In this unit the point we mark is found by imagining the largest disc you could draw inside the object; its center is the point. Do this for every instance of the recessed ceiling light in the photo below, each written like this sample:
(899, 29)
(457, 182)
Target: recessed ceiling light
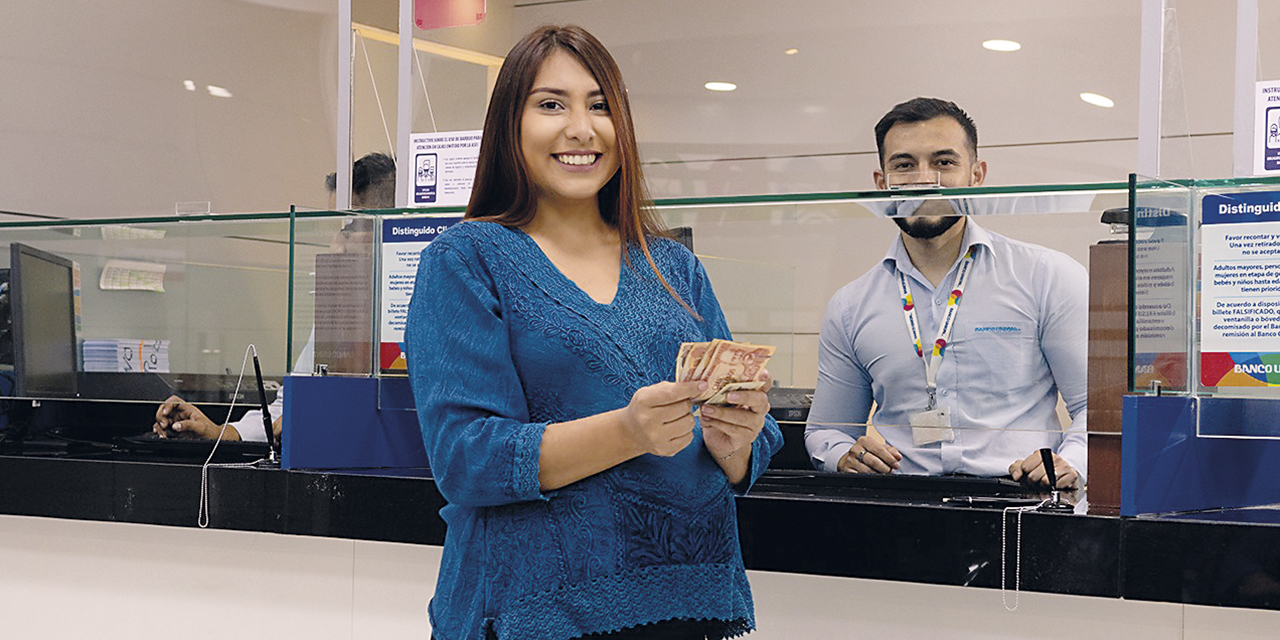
(218, 92)
(720, 86)
(1097, 100)
(791, 52)
(1001, 45)
(191, 86)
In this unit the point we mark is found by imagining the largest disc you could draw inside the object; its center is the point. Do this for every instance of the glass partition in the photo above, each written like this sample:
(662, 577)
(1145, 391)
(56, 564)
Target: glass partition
(1161, 318)
(1205, 311)
(775, 262)
(325, 292)
(159, 306)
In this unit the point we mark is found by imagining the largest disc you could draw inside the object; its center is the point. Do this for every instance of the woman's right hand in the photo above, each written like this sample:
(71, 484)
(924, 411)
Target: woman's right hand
(659, 418)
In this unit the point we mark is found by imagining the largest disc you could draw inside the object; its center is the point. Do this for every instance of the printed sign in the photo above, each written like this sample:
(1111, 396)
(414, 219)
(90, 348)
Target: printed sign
(1240, 290)
(1161, 315)
(444, 166)
(1266, 140)
(403, 240)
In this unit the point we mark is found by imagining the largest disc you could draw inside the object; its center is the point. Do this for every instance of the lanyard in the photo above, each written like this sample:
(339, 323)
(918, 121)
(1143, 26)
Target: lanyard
(944, 328)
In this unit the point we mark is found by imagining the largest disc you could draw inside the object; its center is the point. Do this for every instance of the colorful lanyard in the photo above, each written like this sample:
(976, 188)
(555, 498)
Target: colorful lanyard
(944, 329)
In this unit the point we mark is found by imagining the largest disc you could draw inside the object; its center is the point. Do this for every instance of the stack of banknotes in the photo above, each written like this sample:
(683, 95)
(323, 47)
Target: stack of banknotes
(725, 365)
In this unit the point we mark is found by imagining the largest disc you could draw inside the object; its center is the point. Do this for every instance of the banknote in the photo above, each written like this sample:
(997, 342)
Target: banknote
(726, 365)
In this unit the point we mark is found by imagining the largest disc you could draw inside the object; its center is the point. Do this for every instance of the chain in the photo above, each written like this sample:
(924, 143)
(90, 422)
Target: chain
(1017, 553)
(202, 518)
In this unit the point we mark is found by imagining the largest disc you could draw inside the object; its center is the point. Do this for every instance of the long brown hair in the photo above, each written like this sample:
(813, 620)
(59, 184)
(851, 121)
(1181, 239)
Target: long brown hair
(504, 193)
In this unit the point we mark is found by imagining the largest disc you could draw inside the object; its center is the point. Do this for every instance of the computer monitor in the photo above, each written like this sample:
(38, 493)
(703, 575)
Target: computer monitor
(43, 307)
(6, 321)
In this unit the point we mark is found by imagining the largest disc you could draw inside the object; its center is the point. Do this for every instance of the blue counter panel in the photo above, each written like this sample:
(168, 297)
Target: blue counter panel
(335, 422)
(1167, 467)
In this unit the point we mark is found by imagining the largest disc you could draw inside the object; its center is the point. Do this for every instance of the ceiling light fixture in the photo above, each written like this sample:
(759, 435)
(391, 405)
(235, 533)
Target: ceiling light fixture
(218, 92)
(190, 86)
(720, 86)
(1001, 45)
(1097, 100)
(792, 51)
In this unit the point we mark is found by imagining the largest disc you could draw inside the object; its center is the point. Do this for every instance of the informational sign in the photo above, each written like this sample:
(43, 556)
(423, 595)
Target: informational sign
(444, 166)
(1240, 290)
(434, 14)
(403, 240)
(1266, 139)
(1161, 315)
(343, 296)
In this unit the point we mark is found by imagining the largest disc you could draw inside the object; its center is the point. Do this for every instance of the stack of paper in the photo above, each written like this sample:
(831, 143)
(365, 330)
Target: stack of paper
(126, 355)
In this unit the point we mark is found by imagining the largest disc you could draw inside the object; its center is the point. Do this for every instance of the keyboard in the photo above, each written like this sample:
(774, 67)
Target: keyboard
(150, 442)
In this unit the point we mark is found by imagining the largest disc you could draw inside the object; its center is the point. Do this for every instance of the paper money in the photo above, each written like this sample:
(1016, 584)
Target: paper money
(725, 365)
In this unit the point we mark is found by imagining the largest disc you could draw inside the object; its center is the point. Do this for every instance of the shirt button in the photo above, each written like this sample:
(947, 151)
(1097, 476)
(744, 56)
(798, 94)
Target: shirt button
(945, 392)
(937, 303)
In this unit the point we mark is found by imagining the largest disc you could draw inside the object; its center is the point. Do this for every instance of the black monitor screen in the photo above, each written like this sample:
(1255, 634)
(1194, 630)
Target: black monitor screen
(44, 323)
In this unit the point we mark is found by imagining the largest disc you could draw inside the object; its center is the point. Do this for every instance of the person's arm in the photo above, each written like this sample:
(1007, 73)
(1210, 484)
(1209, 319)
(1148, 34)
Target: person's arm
(841, 398)
(482, 447)
(658, 420)
(1064, 340)
(178, 418)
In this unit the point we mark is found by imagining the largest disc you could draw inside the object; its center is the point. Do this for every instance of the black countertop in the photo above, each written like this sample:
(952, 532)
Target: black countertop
(1229, 558)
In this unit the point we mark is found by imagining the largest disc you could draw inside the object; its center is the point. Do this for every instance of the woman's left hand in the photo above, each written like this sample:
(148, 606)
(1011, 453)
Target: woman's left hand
(729, 429)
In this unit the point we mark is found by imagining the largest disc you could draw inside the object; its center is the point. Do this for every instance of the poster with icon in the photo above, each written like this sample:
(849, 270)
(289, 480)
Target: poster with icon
(1266, 144)
(444, 166)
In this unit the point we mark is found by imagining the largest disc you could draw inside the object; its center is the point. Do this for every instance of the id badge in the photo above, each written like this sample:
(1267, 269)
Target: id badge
(933, 425)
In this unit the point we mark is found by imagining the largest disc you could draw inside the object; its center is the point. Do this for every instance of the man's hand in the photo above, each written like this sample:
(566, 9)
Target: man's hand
(1030, 470)
(870, 455)
(177, 418)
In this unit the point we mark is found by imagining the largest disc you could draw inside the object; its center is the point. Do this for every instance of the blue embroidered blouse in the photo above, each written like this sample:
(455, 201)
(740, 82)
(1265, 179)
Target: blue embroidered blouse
(500, 344)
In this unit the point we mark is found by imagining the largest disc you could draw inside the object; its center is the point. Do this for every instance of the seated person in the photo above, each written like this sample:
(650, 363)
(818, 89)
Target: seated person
(1010, 320)
(372, 187)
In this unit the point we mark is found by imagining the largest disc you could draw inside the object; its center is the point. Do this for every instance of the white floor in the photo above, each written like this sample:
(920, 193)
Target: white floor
(72, 579)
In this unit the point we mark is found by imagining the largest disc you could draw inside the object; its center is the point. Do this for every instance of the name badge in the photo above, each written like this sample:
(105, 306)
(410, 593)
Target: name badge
(933, 425)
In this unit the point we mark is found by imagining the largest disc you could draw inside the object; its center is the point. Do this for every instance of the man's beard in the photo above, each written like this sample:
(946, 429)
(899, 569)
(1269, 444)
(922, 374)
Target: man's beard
(926, 227)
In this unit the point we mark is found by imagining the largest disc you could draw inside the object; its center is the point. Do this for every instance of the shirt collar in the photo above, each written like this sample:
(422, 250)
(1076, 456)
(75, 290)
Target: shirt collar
(974, 236)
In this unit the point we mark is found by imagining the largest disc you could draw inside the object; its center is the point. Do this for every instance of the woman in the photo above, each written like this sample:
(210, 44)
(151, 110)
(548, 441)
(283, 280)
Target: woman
(584, 497)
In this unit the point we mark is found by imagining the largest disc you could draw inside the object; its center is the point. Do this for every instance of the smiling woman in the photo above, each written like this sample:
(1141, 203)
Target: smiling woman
(585, 498)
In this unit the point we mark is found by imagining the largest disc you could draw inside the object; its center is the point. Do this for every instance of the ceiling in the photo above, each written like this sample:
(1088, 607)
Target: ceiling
(857, 58)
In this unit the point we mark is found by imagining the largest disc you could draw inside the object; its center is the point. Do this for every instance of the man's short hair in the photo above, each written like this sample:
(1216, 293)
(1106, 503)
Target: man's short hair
(373, 182)
(920, 110)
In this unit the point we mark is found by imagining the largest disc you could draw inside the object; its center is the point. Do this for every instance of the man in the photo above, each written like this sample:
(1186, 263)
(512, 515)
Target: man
(373, 186)
(982, 402)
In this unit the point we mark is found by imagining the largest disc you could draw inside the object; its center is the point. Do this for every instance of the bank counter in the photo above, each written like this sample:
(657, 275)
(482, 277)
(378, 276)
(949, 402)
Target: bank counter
(341, 536)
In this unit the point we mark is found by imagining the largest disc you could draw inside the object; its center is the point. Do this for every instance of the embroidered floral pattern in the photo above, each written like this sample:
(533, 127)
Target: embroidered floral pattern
(656, 532)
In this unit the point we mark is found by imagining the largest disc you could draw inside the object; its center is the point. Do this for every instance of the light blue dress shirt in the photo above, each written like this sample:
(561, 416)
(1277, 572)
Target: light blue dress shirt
(1020, 338)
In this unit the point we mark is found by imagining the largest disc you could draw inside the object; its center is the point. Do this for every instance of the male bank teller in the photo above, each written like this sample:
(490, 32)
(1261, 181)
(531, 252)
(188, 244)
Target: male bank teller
(975, 394)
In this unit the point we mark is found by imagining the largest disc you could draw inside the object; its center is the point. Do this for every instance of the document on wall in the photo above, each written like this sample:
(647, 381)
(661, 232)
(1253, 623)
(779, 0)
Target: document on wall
(444, 166)
(403, 240)
(1240, 290)
(128, 275)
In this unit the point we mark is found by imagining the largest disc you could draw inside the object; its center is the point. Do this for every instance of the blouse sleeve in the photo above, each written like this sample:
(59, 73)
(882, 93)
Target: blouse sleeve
(769, 441)
(482, 448)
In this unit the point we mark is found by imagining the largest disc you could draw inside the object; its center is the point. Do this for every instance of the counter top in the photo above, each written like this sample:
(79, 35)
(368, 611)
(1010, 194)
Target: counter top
(1224, 558)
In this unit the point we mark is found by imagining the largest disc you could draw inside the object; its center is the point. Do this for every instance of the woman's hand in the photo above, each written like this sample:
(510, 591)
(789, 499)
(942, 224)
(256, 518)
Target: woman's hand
(659, 418)
(729, 430)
